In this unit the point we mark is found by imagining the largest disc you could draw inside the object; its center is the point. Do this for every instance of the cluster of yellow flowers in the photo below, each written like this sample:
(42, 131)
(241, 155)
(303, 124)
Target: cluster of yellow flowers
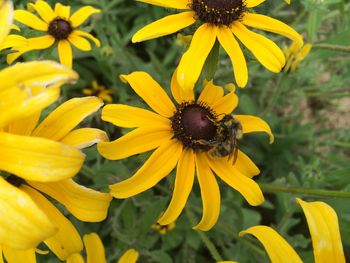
(197, 135)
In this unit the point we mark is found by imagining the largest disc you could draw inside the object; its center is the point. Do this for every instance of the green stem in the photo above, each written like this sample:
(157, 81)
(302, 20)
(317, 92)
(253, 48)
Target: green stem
(211, 247)
(304, 191)
(333, 47)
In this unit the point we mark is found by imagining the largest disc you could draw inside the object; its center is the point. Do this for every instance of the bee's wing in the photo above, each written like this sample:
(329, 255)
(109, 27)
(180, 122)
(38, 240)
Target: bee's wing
(234, 147)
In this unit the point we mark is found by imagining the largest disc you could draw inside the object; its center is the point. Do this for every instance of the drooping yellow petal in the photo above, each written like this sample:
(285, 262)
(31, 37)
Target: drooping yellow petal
(6, 16)
(66, 117)
(164, 26)
(324, 229)
(75, 258)
(211, 93)
(234, 178)
(151, 92)
(79, 42)
(130, 256)
(275, 245)
(131, 117)
(87, 35)
(62, 11)
(95, 251)
(66, 240)
(193, 60)
(65, 53)
(23, 224)
(254, 124)
(159, 165)
(84, 203)
(232, 48)
(178, 4)
(210, 194)
(246, 166)
(137, 141)
(84, 137)
(82, 14)
(253, 3)
(179, 94)
(265, 50)
(44, 10)
(31, 20)
(38, 43)
(272, 25)
(19, 256)
(226, 104)
(38, 159)
(183, 186)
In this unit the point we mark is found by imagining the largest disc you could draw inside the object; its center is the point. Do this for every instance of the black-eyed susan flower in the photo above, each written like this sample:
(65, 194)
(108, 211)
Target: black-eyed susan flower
(100, 91)
(163, 229)
(59, 25)
(324, 229)
(295, 55)
(95, 252)
(222, 20)
(181, 133)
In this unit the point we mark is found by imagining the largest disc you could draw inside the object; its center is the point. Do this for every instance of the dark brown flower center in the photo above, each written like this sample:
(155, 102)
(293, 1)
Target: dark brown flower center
(192, 123)
(218, 12)
(60, 28)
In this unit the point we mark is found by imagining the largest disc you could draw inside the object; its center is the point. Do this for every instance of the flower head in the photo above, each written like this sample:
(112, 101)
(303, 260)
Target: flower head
(59, 26)
(100, 91)
(324, 229)
(295, 55)
(222, 20)
(183, 134)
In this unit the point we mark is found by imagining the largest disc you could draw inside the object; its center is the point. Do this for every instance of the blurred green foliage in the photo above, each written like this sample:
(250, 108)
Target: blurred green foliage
(308, 110)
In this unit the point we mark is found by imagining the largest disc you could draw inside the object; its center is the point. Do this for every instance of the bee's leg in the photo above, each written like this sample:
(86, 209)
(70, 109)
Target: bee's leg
(205, 142)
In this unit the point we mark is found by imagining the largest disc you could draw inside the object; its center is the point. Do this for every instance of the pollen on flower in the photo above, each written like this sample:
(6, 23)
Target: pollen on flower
(218, 12)
(60, 28)
(193, 122)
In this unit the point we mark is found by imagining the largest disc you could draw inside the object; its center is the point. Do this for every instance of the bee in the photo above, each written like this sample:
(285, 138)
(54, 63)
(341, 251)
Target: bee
(225, 143)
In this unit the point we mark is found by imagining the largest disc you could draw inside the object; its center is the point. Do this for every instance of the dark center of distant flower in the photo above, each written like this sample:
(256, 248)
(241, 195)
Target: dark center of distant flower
(15, 180)
(192, 123)
(218, 12)
(60, 28)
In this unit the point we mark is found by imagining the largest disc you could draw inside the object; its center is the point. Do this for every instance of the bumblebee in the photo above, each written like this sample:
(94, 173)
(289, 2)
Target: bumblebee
(225, 143)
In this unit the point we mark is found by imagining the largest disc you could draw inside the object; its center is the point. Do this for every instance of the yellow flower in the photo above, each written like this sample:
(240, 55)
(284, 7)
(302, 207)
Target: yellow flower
(324, 229)
(222, 20)
(59, 25)
(6, 15)
(99, 91)
(295, 55)
(163, 229)
(95, 252)
(182, 134)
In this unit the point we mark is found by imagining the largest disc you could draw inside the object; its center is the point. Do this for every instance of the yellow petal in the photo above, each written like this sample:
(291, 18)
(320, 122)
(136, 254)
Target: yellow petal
(226, 104)
(30, 20)
(151, 92)
(178, 4)
(179, 94)
(14, 41)
(211, 93)
(44, 10)
(6, 16)
(234, 178)
(87, 35)
(23, 223)
(62, 11)
(84, 137)
(246, 166)
(275, 245)
(75, 258)
(164, 26)
(79, 42)
(324, 229)
(254, 124)
(265, 50)
(137, 141)
(232, 48)
(227, 261)
(38, 159)
(82, 14)
(67, 240)
(159, 165)
(95, 250)
(192, 61)
(1, 257)
(183, 186)
(65, 53)
(272, 25)
(131, 117)
(130, 256)
(253, 3)
(84, 203)
(66, 117)
(210, 194)
(38, 43)
(19, 256)
(24, 126)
